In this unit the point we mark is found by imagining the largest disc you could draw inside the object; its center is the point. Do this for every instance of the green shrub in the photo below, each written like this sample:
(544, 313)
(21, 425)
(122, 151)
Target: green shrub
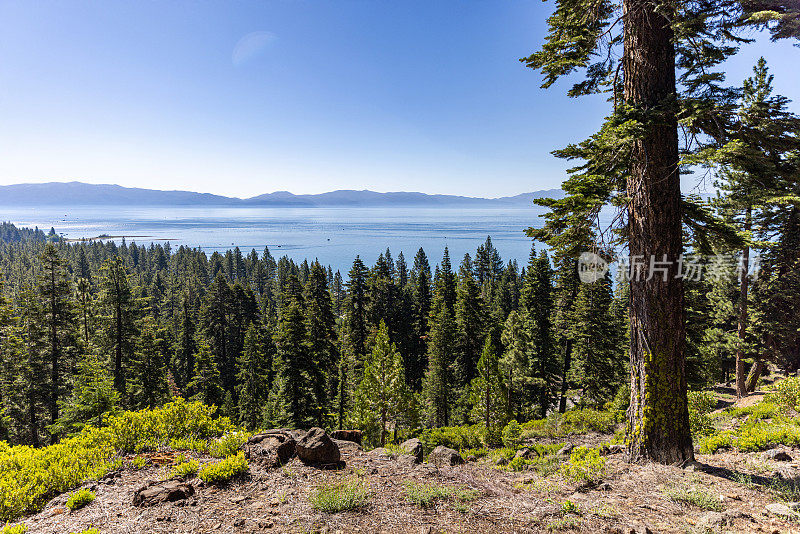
(339, 496)
(569, 507)
(139, 462)
(762, 410)
(79, 499)
(427, 494)
(19, 528)
(185, 469)
(763, 435)
(713, 443)
(189, 444)
(511, 433)
(785, 394)
(223, 471)
(28, 476)
(701, 403)
(579, 421)
(228, 445)
(697, 496)
(454, 437)
(584, 465)
(518, 463)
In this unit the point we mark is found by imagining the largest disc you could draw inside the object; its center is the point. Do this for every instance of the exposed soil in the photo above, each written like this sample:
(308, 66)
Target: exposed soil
(630, 497)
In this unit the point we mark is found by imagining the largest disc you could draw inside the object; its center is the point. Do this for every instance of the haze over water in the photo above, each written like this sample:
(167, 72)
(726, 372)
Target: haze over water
(334, 235)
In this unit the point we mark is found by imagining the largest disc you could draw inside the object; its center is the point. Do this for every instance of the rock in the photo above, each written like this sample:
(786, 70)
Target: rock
(407, 460)
(413, 447)
(380, 452)
(711, 520)
(347, 435)
(640, 529)
(779, 509)
(615, 449)
(272, 448)
(160, 492)
(318, 448)
(525, 453)
(501, 461)
(778, 455)
(566, 450)
(347, 446)
(442, 456)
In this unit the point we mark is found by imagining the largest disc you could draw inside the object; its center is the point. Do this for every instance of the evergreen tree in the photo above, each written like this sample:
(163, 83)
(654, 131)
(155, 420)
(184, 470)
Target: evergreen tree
(321, 343)
(438, 383)
(205, 385)
(147, 387)
(383, 393)
(488, 394)
(59, 316)
(292, 396)
(93, 397)
(254, 377)
(119, 316)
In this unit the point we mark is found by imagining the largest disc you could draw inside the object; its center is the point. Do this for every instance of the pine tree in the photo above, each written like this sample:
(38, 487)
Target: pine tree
(488, 394)
(292, 396)
(649, 60)
(420, 312)
(120, 311)
(321, 343)
(470, 327)
(754, 165)
(515, 366)
(93, 397)
(382, 393)
(597, 365)
(437, 386)
(254, 377)
(59, 316)
(205, 385)
(147, 387)
(536, 303)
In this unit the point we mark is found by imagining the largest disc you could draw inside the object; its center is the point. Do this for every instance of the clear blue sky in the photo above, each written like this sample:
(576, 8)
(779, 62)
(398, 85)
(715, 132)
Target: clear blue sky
(246, 97)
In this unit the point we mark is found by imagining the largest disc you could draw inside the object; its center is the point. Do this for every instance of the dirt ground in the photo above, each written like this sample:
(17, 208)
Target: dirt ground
(630, 498)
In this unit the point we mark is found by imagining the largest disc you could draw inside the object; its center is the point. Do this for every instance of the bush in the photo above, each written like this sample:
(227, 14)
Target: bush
(511, 433)
(228, 445)
(713, 443)
(694, 495)
(185, 469)
(79, 499)
(701, 403)
(28, 476)
(426, 495)
(584, 465)
(454, 437)
(19, 528)
(340, 496)
(223, 471)
(785, 394)
(579, 421)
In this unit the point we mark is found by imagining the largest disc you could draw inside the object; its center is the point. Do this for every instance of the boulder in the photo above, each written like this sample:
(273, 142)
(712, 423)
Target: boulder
(380, 452)
(407, 460)
(347, 435)
(525, 453)
(442, 456)
(413, 447)
(778, 455)
(160, 492)
(318, 448)
(566, 450)
(347, 446)
(781, 510)
(272, 448)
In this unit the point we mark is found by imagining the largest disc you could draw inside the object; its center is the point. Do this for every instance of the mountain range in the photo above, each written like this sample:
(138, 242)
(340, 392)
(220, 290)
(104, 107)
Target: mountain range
(82, 194)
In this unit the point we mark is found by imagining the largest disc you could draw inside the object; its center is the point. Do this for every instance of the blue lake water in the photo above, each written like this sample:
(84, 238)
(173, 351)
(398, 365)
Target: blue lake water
(334, 235)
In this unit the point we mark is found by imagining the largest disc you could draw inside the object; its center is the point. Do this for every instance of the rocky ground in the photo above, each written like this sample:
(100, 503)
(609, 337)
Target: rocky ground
(727, 492)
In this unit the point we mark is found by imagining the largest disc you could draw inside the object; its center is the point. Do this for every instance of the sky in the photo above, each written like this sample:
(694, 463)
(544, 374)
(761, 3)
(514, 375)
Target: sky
(241, 98)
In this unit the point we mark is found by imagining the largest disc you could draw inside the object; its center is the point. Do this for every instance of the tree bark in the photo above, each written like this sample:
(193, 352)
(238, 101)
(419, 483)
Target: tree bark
(658, 417)
(753, 376)
(741, 377)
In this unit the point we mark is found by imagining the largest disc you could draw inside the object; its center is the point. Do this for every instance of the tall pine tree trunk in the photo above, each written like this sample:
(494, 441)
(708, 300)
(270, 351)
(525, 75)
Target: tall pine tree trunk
(658, 417)
(741, 377)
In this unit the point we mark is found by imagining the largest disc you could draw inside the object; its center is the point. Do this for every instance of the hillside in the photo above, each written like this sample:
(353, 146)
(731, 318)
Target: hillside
(562, 474)
(82, 194)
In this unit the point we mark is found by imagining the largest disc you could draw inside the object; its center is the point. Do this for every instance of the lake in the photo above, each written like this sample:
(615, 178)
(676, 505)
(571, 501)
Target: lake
(335, 235)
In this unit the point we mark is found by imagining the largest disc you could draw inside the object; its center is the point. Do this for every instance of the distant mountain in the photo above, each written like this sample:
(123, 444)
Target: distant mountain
(81, 194)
